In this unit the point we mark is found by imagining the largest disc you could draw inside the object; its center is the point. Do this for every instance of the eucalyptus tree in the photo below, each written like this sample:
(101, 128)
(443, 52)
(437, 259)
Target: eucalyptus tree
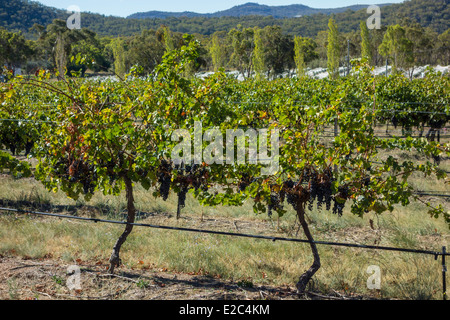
(146, 51)
(56, 41)
(279, 51)
(397, 46)
(14, 49)
(242, 40)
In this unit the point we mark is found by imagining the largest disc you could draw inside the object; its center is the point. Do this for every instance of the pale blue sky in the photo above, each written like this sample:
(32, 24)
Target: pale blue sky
(124, 8)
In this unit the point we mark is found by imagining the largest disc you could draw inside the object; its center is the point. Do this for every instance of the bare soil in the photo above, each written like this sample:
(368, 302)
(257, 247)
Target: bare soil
(46, 279)
(28, 279)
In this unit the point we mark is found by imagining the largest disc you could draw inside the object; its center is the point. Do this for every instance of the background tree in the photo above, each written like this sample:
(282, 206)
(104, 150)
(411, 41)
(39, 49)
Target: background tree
(242, 40)
(443, 48)
(421, 44)
(218, 50)
(168, 39)
(322, 44)
(333, 49)
(279, 51)
(119, 53)
(43, 58)
(259, 63)
(92, 50)
(61, 38)
(304, 50)
(396, 45)
(376, 38)
(366, 49)
(299, 56)
(146, 51)
(14, 49)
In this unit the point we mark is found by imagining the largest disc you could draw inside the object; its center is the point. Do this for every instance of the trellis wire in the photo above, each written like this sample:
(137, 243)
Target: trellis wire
(436, 254)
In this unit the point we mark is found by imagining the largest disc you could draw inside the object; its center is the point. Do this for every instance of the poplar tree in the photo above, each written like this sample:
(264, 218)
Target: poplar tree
(366, 48)
(299, 56)
(333, 49)
(118, 48)
(168, 39)
(217, 51)
(258, 54)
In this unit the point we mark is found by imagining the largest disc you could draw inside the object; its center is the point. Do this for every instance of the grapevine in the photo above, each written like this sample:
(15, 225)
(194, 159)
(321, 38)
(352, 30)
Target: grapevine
(110, 136)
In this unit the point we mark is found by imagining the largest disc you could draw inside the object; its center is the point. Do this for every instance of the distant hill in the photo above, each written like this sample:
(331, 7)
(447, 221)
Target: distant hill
(20, 15)
(164, 15)
(250, 9)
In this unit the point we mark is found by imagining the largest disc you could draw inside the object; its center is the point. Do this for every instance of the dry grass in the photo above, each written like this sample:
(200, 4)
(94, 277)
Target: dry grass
(229, 261)
(45, 279)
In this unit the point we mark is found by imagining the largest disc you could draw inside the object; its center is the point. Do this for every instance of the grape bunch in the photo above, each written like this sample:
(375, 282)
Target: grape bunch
(340, 199)
(191, 176)
(321, 189)
(186, 177)
(77, 171)
(313, 190)
(312, 187)
(164, 178)
(113, 176)
(275, 203)
(181, 178)
(291, 197)
(244, 182)
(182, 196)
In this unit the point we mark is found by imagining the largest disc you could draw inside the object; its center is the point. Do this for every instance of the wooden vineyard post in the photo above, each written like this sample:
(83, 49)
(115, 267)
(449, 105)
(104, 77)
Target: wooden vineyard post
(444, 272)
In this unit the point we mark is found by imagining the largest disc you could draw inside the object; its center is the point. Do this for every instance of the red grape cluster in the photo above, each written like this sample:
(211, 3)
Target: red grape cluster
(312, 187)
(77, 171)
(182, 178)
(165, 178)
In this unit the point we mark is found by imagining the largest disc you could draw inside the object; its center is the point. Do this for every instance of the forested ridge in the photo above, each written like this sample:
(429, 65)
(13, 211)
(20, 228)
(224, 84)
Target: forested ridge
(414, 33)
(251, 8)
(20, 15)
